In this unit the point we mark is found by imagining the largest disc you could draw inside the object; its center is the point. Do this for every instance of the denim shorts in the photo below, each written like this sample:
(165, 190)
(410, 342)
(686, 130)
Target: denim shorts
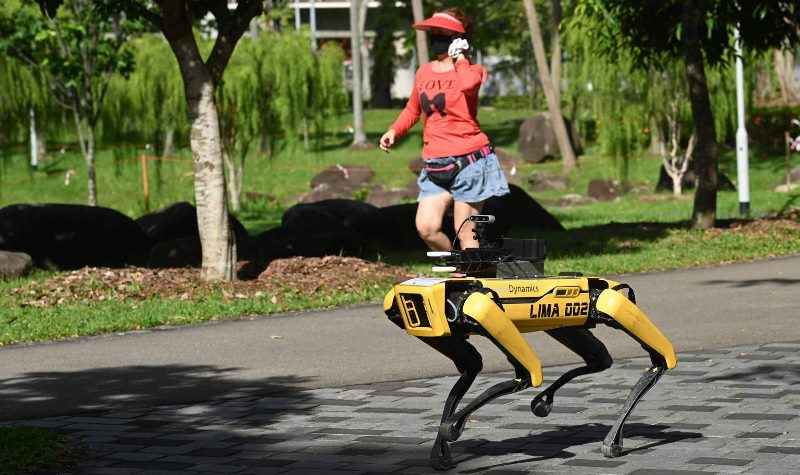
(476, 182)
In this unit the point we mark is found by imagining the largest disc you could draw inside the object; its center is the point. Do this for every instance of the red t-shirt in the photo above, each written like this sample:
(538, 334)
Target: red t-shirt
(449, 101)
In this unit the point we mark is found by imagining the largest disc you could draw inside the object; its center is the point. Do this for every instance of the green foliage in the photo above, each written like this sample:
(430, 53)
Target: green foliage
(76, 52)
(329, 96)
(628, 103)
(650, 29)
(386, 19)
(150, 100)
(22, 88)
(240, 101)
(274, 84)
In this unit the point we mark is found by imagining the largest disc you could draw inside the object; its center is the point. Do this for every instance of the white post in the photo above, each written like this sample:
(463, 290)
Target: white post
(297, 16)
(34, 145)
(742, 172)
(313, 20)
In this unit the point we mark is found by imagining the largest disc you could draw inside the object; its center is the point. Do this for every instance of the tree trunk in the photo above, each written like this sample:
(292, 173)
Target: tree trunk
(762, 90)
(658, 145)
(233, 182)
(784, 69)
(86, 140)
(217, 240)
(169, 143)
(91, 175)
(359, 137)
(704, 213)
(553, 106)
(41, 142)
(383, 54)
(422, 42)
(218, 243)
(555, 48)
(366, 80)
(366, 83)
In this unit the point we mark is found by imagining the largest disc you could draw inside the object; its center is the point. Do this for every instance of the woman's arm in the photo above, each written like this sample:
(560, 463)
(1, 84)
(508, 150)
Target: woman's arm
(470, 76)
(410, 114)
(407, 118)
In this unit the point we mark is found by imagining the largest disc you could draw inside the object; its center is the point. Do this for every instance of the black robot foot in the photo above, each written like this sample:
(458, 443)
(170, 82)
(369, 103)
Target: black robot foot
(540, 407)
(440, 456)
(450, 431)
(611, 451)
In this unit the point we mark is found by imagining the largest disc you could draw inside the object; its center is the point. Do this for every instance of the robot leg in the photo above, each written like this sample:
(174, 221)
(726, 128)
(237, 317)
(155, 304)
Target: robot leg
(452, 428)
(587, 346)
(468, 363)
(612, 444)
(618, 312)
(488, 319)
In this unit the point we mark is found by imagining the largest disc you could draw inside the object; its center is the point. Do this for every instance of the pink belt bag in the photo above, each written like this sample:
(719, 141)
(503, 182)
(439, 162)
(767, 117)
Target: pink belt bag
(444, 176)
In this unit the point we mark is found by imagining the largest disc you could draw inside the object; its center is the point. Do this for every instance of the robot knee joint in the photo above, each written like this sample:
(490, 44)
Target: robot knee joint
(601, 362)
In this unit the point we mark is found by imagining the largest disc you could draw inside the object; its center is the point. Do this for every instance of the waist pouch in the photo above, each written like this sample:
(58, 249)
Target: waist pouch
(444, 176)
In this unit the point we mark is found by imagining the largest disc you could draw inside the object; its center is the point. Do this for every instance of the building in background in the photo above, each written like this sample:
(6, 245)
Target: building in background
(329, 20)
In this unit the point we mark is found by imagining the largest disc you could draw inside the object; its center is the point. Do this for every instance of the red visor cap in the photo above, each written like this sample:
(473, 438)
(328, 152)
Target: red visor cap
(440, 20)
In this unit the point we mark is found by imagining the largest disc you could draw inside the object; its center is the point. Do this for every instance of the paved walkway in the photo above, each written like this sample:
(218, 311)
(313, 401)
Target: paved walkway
(248, 396)
(734, 410)
(701, 308)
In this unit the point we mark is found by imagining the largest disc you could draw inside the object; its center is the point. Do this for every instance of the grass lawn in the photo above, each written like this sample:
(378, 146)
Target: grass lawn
(638, 232)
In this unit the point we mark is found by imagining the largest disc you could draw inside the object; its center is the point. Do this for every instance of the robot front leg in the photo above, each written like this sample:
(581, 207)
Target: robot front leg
(451, 429)
(618, 312)
(612, 444)
(468, 363)
(587, 346)
(487, 318)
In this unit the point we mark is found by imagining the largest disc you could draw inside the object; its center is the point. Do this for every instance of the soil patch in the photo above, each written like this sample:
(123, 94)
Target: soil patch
(305, 275)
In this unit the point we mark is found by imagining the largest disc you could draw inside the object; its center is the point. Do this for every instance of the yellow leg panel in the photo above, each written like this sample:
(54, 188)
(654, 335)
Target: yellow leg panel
(388, 301)
(491, 317)
(618, 307)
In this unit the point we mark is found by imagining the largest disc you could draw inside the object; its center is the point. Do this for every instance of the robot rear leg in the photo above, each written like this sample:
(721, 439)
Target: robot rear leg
(584, 344)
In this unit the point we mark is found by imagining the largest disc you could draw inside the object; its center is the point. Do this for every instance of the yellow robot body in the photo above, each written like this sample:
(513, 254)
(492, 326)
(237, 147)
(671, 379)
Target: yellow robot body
(504, 295)
(531, 304)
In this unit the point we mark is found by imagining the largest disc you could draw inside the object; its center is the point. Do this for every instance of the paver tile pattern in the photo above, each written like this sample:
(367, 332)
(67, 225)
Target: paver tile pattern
(734, 410)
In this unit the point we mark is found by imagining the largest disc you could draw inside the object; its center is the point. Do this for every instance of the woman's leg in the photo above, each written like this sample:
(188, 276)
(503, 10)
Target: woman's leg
(430, 213)
(462, 211)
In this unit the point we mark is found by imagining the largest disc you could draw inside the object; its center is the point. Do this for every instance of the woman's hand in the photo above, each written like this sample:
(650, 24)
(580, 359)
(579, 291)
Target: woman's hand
(387, 140)
(457, 48)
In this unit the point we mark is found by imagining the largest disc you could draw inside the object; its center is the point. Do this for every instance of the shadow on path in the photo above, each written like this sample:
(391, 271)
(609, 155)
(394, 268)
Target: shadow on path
(554, 443)
(786, 375)
(42, 394)
(751, 282)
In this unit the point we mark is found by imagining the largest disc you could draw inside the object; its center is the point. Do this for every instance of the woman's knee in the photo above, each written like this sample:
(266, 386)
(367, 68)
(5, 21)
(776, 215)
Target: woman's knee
(428, 228)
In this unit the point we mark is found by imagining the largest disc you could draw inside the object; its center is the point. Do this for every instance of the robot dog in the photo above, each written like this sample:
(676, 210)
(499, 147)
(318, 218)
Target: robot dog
(501, 292)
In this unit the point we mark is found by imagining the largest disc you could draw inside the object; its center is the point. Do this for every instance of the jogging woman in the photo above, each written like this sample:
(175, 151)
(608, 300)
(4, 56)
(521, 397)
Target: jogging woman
(461, 168)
